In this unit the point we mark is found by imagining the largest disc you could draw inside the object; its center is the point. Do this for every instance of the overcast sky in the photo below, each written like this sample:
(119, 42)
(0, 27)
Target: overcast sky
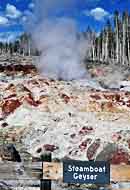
(93, 13)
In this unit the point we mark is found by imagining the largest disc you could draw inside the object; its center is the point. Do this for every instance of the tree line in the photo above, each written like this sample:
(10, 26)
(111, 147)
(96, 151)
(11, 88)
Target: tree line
(113, 42)
(111, 45)
(21, 46)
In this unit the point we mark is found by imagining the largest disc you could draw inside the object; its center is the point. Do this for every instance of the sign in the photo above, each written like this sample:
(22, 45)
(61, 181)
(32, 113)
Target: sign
(84, 172)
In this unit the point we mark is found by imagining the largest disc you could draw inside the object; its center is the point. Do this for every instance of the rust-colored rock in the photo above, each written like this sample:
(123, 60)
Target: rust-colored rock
(10, 87)
(95, 96)
(109, 107)
(128, 141)
(120, 157)
(9, 106)
(85, 130)
(92, 150)
(83, 146)
(112, 97)
(116, 137)
(65, 97)
(50, 147)
(31, 101)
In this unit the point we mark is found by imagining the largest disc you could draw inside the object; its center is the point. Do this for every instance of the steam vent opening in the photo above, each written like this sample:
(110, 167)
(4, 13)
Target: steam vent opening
(61, 52)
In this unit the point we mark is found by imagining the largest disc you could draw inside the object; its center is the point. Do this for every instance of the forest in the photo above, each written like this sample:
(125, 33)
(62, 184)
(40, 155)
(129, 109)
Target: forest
(21, 45)
(113, 42)
(111, 45)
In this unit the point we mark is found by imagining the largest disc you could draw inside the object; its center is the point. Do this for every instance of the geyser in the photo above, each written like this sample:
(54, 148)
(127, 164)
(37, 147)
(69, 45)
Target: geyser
(55, 36)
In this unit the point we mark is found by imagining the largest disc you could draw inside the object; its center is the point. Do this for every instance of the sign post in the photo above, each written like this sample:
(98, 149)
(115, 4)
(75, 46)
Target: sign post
(45, 184)
(89, 172)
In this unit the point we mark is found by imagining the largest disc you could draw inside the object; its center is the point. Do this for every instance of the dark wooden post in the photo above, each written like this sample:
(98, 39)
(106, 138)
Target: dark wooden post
(45, 184)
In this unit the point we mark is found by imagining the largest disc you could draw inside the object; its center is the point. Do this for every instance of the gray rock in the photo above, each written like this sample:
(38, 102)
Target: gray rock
(107, 152)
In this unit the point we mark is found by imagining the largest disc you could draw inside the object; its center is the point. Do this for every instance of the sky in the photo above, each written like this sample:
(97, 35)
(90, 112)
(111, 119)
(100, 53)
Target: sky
(93, 13)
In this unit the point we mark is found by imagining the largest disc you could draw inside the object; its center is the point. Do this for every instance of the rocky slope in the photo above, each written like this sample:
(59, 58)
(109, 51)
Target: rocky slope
(72, 119)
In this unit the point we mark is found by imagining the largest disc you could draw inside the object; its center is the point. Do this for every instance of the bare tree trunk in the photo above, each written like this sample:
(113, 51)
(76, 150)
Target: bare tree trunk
(103, 48)
(98, 49)
(128, 40)
(123, 43)
(93, 52)
(117, 42)
(29, 47)
(106, 46)
(120, 52)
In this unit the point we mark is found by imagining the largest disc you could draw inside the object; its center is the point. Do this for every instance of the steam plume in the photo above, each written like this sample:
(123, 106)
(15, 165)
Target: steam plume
(55, 36)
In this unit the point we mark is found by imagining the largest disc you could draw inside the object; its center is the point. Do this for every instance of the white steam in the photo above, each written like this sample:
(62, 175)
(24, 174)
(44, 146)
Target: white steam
(62, 51)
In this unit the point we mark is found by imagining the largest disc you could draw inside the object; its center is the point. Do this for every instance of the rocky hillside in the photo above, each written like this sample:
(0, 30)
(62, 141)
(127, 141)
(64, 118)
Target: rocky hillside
(72, 119)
